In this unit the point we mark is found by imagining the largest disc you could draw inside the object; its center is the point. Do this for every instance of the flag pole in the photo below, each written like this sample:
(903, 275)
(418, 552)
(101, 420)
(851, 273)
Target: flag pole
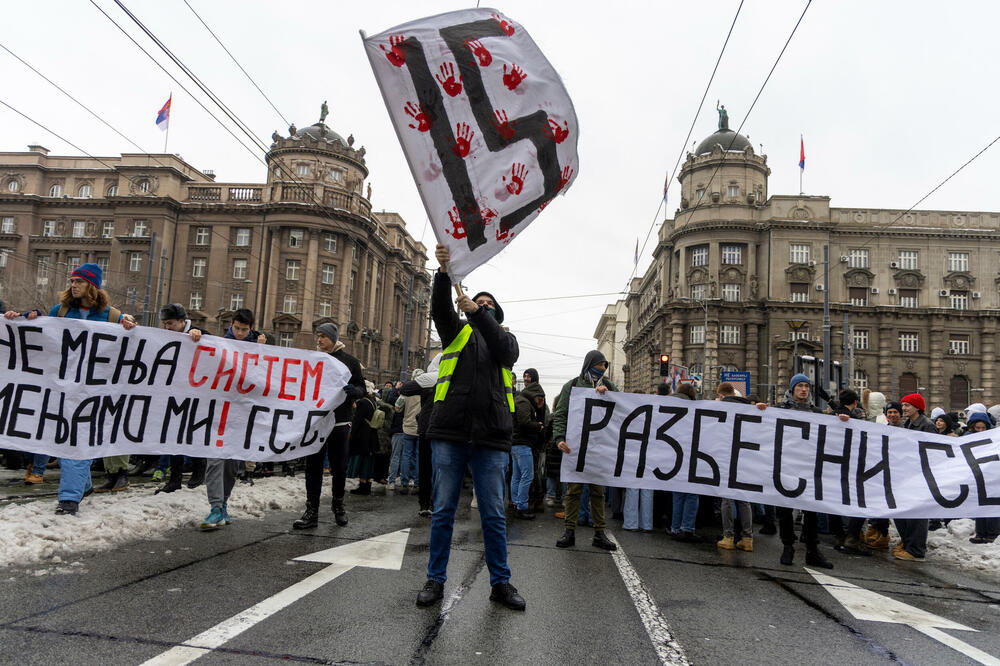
(167, 137)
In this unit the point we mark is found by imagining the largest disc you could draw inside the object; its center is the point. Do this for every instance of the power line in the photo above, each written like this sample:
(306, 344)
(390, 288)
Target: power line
(560, 298)
(245, 73)
(551, 335)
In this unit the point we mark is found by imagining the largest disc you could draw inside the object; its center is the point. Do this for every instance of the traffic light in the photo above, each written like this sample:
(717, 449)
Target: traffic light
(664, 365)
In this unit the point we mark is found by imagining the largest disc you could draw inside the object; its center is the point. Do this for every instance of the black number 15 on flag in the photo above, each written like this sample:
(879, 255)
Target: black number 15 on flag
(485, 122)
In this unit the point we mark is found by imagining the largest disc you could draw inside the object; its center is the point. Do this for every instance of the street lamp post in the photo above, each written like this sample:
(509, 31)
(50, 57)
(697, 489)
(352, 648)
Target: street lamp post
(970, 391)
(406, 325)
(705, 373)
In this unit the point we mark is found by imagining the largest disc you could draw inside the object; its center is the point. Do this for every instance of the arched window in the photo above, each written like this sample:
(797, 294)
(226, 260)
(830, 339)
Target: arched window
(13, 185)
(55, 191)
(113, 191)
(85, 191)
(143, 185)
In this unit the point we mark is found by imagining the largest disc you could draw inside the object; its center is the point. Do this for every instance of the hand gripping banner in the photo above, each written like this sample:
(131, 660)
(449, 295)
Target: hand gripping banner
(80, 389)
(486, 124)
(780, 457)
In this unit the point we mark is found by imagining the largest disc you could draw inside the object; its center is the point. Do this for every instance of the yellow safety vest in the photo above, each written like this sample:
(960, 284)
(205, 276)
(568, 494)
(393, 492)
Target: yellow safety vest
(449, 361)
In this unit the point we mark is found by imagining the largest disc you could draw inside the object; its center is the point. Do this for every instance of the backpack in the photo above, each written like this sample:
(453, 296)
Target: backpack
(377, 418)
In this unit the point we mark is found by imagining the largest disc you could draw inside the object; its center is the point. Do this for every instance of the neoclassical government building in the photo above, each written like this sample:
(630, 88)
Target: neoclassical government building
(300, 249)
(736, 283)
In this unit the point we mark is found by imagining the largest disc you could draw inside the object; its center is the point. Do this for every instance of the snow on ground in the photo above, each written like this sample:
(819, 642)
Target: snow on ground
(33, 535)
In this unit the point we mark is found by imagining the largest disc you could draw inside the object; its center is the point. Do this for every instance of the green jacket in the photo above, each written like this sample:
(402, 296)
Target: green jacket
(561, 413)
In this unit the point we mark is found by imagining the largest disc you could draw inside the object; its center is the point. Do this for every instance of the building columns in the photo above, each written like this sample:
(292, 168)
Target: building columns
(936, 387)
(988, 364)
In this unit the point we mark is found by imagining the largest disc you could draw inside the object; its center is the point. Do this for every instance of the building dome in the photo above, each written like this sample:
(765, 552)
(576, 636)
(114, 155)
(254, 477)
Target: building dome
(319, 132)
(727, 138)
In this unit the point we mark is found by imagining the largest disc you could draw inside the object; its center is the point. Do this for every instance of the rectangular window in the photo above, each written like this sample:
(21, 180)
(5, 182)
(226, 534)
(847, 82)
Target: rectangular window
(108, 230)
(959, 300)
(699, 255)
(198, 267)
(201, 236)
(336, 175)
(959, 344)
(140, 229)
(698, 292)
(295, 238)
(7, 225)
(860, 380)
(733, 191)
(239, 270)
(103, 263)
(135, 261)
(798, 335)
(292, 268)
(42, 272)
(242, 237)
(329, 273)
(79, 228)
(731, 292)
(798, 254)
(3, 258)
(859, 338)
(958, 261)
(730, 334)
(908, 260)
(909, 298)
(236, 301)
(857, 258)
(699, 194)
(301, 169)
(909, 342)
(49, 228)
(288, 306)
(330, 243)
(325, 309)
(799, 292)
(858, 296)
(697, 334)
(354, 252)
(285, 339)
(732, 254)
(73, 263)
(196, 300)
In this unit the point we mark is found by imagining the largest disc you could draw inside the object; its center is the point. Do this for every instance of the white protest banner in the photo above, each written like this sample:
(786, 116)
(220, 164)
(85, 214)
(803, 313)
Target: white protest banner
(778, 456)
(81, 389)
(486, 124)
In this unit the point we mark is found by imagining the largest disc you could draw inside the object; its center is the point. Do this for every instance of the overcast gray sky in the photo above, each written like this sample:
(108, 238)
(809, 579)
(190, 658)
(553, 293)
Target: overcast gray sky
(890, 96)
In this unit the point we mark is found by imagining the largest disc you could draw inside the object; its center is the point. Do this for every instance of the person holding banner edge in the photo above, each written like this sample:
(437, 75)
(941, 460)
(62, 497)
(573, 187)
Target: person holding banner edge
(913, 531)
(84, 299)
(471, 426)
(591, 376)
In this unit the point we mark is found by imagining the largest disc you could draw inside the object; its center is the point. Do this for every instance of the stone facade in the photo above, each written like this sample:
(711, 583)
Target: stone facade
(921, 289)
(610, 333)
(300, 249)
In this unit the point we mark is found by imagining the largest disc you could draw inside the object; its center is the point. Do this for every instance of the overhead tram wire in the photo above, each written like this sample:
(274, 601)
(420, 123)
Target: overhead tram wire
(680, 155)
(245, 73)
(560, 298)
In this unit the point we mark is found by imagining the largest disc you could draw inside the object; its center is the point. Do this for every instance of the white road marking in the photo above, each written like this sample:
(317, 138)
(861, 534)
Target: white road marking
(667, 648)
(873, 607)
(381, 552)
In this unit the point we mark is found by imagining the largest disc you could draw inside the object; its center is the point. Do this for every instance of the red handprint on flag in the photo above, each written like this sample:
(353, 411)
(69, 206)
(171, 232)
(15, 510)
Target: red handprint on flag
(396, 54)
(557, 133)
(504, 235)
(419, 114)
(567, 173)
(517, 174)
(507, 28)
(463, 139)
(513, 78)
(447, 79)
(458, 227)
(504, 127)
(478, 50)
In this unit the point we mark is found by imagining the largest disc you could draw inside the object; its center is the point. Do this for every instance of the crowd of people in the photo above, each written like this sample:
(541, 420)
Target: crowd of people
(462, 417)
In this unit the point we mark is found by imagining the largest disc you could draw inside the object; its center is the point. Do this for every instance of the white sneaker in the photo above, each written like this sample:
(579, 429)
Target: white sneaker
(550, 501)
(390, 487)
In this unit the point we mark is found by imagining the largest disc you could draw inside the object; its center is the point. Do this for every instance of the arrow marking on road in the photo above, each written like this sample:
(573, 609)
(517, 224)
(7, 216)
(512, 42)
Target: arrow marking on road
(867, 605)
(381, 552)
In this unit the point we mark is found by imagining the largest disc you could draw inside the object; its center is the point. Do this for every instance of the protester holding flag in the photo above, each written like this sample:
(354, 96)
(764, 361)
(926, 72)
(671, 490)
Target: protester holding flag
(471, 426)
(84, 299)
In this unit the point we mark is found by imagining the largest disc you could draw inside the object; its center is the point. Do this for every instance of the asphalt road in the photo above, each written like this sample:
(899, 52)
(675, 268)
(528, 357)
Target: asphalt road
(137, 602)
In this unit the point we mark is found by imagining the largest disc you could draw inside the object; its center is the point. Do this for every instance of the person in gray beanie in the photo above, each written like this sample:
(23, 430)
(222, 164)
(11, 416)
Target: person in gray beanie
(328, 340)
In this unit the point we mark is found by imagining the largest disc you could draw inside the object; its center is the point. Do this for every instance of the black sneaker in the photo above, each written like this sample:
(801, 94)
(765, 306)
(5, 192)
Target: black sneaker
(174, 483)
(506, 594)
(339, 512)
(432, 593)
(814, 558)
(121, 482)
(787, 555)
(601, 540)
(566, 540)
(523, 514)
(425, 513)
(67, 508)
(309, 519)
(768, 528)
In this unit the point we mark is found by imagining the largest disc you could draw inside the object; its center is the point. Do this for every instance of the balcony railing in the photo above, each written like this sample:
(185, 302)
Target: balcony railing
(226, 193)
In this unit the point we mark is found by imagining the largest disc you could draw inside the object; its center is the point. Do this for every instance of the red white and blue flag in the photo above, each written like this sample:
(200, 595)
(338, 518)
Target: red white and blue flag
(802, 153)
(163, 117)
(636, 259)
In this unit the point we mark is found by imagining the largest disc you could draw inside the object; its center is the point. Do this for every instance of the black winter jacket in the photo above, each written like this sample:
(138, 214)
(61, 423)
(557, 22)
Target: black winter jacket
(412, 387)
(529, 425)
(475, 410)
(355, 387)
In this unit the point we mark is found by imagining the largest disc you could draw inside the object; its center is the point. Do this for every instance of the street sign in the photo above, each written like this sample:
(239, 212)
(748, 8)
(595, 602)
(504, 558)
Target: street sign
(740, 380)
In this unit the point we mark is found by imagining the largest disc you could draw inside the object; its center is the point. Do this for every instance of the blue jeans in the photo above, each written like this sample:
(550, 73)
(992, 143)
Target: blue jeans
(685, 512)
(74, 479)
(410, 458)
(396, 458)
(489, 469)
(162, 463)
(522, 474)
(38, 463)
(553, 488)
(638, 509)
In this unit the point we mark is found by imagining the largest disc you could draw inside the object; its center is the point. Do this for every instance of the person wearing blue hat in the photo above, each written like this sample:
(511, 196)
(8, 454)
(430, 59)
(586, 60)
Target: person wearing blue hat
(85, 299)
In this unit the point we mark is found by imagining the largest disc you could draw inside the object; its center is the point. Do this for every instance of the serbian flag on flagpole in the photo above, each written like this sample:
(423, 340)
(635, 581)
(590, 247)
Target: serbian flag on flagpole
(802, 153)
(635, 261)
(163, 117)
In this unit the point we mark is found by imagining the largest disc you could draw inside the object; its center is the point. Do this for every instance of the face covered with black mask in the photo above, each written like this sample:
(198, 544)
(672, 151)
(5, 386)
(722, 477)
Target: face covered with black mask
(596, 372)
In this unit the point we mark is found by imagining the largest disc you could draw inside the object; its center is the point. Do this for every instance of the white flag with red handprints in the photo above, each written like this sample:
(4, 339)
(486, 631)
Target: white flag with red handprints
(485, 122)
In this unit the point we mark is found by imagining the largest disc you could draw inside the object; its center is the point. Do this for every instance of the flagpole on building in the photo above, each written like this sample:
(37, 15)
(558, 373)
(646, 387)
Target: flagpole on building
(802, 162)
(167, 137)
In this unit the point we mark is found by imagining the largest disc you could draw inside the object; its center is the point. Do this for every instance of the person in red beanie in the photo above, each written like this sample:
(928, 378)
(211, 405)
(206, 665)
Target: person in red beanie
(913, 531)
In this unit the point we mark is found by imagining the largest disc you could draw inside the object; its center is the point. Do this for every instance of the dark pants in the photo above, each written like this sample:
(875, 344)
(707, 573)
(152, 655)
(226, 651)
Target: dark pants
(177, 465)
(786, 527)
(336, 446)
(424, 472)
(987, 528)
(913, 534)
